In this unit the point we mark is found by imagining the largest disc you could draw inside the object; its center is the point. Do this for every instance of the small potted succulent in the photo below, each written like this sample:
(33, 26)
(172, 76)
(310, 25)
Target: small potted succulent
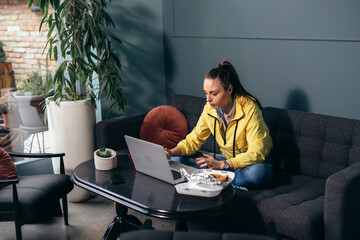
(105, 159)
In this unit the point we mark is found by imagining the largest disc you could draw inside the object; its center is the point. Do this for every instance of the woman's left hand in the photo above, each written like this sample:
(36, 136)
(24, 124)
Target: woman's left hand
(208, 161)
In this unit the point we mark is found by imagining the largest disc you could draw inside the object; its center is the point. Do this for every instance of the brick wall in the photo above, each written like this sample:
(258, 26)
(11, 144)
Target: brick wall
(20, 37)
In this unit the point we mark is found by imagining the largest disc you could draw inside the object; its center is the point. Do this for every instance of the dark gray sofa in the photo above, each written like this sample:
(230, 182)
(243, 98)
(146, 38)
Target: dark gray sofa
(316, 190)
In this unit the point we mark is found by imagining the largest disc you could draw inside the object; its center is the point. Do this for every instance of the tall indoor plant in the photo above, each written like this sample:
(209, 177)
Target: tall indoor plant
(87, 70)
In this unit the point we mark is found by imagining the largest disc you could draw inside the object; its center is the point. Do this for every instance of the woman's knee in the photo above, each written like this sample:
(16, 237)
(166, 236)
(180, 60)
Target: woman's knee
(254, 175)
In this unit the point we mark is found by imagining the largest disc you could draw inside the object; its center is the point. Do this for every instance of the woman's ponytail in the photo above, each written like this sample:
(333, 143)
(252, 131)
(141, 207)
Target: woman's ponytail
(228, 76)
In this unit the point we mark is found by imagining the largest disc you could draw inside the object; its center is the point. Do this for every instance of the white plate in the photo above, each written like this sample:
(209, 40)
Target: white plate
(204, 190)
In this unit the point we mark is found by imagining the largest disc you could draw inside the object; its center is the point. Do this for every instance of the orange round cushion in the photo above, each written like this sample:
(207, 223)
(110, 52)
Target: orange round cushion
(164, 125)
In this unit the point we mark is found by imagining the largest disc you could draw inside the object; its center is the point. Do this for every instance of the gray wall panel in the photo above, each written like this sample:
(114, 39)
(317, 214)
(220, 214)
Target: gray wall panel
(307, 57)
(307, 19)
(139, 25)
(302, 55)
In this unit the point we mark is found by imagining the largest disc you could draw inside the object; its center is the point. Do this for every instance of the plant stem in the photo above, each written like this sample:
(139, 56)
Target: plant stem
(74, 45)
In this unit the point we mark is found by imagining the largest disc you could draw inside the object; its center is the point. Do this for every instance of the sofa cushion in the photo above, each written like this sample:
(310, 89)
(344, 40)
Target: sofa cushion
(312, 144)
(7, 167)
(110, 132)
(164, 125)
(294, 202)
(37, 192)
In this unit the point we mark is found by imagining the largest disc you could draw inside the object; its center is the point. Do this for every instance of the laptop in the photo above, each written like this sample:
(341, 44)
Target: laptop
(150, 159)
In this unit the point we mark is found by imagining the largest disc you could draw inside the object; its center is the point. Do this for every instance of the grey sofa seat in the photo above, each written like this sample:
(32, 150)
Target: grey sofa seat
(321, 148)
(294, 202)
(316, 190)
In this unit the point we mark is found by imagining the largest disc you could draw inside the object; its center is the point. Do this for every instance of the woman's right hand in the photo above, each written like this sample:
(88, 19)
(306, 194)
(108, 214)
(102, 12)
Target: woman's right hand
(176, 151)
(168, 153)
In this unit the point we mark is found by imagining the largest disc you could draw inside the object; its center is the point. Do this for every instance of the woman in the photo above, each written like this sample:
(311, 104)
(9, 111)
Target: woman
(235, 119)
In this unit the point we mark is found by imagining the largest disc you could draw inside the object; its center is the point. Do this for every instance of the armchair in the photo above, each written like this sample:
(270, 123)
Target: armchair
(26, 198)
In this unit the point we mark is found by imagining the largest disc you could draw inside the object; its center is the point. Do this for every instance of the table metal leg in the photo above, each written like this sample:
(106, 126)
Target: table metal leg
(31, 144)
(121, 223)
(43, 142)
(114, 229)
(38, 140)
(181, 225)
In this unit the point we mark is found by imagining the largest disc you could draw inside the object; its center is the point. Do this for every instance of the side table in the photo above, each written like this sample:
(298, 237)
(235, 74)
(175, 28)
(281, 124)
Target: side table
(146, 195)
(32, 132)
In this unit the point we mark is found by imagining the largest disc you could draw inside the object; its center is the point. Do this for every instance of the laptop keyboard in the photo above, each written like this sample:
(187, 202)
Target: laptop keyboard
(176, 174)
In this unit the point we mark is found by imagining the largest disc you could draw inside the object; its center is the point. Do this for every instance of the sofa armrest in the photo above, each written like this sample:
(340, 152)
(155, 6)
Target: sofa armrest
(110, 133)
(9, 181)
(341, 207)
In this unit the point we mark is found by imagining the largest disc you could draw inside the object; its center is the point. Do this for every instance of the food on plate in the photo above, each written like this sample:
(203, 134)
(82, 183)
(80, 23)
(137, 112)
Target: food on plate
(219, 177)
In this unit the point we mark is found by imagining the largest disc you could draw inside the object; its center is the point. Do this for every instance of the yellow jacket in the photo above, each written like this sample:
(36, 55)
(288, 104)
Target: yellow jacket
(251, 143)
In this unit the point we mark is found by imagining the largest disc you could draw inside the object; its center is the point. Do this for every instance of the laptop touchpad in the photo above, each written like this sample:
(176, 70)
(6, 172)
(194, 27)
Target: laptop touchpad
(177, 166)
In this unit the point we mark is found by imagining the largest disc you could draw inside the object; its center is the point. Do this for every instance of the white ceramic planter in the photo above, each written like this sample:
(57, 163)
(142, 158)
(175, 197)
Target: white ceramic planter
(30, 110)
(71, 131)
(107, 163)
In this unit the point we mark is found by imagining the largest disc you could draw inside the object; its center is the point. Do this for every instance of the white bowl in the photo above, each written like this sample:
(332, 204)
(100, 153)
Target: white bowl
(205, 190)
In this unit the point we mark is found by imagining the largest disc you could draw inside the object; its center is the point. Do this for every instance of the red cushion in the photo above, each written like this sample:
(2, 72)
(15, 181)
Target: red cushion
(7, 167)
(164, 125)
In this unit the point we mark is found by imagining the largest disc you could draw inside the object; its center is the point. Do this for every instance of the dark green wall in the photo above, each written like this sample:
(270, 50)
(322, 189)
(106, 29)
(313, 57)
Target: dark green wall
(139, 26)
(302, 55)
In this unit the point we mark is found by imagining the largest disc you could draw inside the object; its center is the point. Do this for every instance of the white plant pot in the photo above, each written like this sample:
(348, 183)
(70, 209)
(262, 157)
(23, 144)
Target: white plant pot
(30, 110)
(107, 163)
(71, 130)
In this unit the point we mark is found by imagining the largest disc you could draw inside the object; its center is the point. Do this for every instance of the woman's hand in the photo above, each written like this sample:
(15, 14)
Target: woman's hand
(209, 161)
(168, 153)
(176, 151)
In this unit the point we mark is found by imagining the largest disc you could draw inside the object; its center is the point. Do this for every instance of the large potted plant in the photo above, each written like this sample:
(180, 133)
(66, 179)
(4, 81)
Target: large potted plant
(30, 97)
(87, 70)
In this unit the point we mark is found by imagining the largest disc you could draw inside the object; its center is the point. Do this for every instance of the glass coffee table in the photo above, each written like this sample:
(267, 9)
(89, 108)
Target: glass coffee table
(146, 195)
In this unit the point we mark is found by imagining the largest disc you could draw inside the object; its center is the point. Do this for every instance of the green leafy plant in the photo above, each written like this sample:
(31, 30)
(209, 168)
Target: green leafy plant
(34, 82)
(2, 53)
(103, 153)
(90, 68)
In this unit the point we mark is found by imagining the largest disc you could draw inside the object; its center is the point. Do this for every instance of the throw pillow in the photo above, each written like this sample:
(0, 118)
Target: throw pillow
(7, 167)
(164, 125)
